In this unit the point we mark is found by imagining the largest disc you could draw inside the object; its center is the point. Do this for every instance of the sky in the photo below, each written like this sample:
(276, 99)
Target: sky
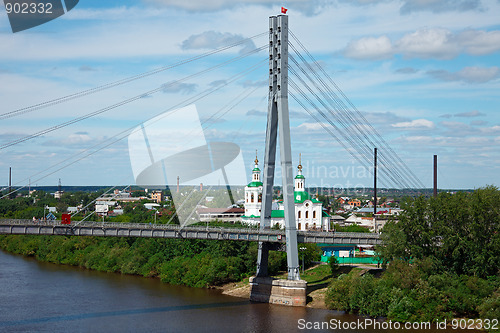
(424, 73)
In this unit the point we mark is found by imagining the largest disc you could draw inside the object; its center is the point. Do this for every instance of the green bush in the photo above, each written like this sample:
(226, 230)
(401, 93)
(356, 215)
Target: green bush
(334, 264)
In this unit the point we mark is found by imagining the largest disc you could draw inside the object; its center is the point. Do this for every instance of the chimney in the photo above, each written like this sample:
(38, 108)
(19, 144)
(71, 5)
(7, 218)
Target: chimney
(435, 176)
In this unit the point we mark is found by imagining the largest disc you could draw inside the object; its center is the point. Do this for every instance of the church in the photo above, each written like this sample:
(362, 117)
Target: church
(309, 214)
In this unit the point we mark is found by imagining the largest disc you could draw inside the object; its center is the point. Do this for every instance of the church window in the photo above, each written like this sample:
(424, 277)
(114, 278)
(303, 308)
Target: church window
(260, 197)
(314, 214)
(251, 198)
(299, 216)
(307, 214)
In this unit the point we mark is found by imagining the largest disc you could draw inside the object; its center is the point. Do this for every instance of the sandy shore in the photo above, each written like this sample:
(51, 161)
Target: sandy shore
(242, 290)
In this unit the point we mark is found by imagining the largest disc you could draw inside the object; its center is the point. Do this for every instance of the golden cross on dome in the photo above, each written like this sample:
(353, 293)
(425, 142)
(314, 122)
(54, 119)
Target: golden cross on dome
(300, 162)
(256, 160)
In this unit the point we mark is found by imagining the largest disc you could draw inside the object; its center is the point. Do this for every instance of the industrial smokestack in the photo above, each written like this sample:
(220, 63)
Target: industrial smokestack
(435, 176)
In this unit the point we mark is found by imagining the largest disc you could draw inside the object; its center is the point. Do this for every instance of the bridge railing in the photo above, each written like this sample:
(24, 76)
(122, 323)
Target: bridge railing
(238, 233)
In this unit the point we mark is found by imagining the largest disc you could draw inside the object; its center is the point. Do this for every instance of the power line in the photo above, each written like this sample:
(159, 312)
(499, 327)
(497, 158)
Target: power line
(122, 81)
(353, 133)
(125, 133)
(363, 132)
(124, 102)
(361, 119)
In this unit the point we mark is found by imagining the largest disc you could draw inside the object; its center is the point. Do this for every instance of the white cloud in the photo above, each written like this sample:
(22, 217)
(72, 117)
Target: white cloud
(78, 139)
(474, 113)
(213, 39)
(468, 74)
(406, 70)
(373, 48)
(479, 42)
(256, 113)
(493, 130)
(425, 43)
(428, 43)
(415, 124)
(308, 7)
(478, 123)
(439, 6)
(179, 87)
(312, 127)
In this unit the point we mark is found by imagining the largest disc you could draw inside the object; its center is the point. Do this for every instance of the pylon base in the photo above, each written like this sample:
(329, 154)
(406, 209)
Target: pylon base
(277, 291)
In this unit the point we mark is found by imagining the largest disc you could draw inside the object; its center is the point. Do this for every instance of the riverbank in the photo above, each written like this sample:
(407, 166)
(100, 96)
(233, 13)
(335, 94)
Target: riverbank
(44, 297)
(318, 279)
(226, 266)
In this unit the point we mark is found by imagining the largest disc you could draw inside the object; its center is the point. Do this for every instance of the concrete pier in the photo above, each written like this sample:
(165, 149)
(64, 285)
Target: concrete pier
(277, 291)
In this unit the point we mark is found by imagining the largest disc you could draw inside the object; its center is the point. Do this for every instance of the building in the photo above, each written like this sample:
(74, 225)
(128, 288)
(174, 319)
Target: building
(309, 214)
(354, 203)
(157, 196)
(231, 214)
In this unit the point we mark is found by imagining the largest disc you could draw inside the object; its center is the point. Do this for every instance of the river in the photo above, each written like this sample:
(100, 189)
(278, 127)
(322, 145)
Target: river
(43, 297)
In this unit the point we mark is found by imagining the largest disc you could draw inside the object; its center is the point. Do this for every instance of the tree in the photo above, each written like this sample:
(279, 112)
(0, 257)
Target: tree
(333, 263)
(459, 231)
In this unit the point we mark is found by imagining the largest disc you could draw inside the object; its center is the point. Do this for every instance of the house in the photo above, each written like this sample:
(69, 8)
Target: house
(343, 200)
(337, 219)
(354, 203)
(231, 214)
(157, 196)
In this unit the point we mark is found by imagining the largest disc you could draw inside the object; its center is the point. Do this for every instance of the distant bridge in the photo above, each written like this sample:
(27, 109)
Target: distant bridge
(108, 229)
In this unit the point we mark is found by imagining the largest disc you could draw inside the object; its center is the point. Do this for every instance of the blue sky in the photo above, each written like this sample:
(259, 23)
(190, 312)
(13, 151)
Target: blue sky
(425, 73)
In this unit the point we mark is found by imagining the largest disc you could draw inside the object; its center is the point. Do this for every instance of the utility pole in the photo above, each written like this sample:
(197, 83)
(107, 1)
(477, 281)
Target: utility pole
(59, 190)
(278, 116)
(375, 188)
(435, 176)
(10, 182)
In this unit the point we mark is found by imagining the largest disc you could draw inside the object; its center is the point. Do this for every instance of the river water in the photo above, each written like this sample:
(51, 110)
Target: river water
(43, 297)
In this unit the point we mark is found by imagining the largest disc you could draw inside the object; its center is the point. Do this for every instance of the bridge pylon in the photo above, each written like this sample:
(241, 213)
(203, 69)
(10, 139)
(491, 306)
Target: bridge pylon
(278, 117)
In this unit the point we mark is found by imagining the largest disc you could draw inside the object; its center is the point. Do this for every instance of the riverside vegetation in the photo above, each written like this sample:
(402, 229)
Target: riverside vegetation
(194, 263)
(444, 256)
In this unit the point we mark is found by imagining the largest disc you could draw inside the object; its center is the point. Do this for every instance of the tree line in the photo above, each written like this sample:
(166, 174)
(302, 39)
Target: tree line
(443, 259)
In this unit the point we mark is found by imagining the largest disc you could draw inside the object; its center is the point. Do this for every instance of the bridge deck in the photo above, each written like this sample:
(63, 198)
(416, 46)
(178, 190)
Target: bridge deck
(108, 229)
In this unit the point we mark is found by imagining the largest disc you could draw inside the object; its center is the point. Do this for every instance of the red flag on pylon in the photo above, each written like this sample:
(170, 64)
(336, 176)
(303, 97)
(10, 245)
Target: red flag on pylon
(283, 10)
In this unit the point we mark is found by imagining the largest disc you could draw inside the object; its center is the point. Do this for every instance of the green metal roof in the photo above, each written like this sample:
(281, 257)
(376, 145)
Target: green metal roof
(255, 184)
(300, 177)
(250, 217)
(303, 197)
(256, 169)
(278, 213)
(274, 213)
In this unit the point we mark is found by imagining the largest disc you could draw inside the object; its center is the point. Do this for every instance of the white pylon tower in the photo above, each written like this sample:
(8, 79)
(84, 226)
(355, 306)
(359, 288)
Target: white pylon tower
(278, 117)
